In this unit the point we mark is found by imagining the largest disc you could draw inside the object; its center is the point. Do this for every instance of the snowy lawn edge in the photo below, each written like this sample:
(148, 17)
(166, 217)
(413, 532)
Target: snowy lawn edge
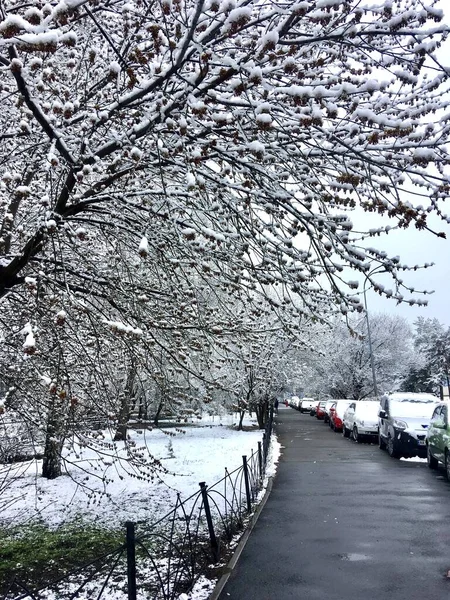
(210, 589)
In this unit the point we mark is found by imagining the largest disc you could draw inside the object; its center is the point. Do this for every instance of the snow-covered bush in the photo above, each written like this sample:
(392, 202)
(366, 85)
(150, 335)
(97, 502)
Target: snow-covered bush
(18, 441)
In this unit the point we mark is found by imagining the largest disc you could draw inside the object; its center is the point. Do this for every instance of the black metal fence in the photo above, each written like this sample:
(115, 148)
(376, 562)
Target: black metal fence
(161, 560)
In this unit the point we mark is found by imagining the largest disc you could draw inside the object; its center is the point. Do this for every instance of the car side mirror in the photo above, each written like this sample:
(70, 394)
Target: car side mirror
(382, 414)
(439, 423)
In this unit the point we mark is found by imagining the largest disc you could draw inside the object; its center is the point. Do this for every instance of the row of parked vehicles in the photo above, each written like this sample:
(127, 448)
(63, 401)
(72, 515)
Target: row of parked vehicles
(404, 424)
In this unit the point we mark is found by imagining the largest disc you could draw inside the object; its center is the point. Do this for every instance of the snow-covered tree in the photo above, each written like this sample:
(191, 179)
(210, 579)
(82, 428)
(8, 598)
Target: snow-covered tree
(259, 376)
(432, 341)
(238, 128)
(156, 155)
(344, 370)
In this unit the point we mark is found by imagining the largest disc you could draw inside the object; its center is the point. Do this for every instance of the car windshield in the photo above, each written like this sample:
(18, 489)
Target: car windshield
(367, 409)
(342, 405)
(411, 408)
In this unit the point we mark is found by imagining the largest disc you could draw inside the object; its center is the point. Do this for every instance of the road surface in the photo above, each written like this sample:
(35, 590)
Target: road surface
(345, 521)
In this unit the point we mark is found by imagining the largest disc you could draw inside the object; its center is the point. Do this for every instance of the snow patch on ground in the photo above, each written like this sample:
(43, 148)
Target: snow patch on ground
(201, 590)
(199, 454)
(273, 456)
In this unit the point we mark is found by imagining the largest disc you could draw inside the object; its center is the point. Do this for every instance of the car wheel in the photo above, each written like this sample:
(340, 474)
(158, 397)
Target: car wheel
(447, 464)
(432, 462)
(355, 434)
(392, 450)
(345, 431)
(381, 443)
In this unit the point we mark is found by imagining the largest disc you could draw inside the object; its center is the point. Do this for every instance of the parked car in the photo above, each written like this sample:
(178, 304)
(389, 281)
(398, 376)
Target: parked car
(331, 413)
(328, 406)
(306, 405)
(403, 422)
(294, 402)
(337, 415)
(313, 410)
(320, 410)
(438, 439)
(361, 420)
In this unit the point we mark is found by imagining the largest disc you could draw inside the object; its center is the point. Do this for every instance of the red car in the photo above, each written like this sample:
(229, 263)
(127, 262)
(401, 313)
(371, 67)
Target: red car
(328, 405)
(320, 410)
(337, 416)
(331, 415)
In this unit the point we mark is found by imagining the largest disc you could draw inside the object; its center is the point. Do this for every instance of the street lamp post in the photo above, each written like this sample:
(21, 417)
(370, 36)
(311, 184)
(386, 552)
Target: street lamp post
(375, 387)
(370, 344)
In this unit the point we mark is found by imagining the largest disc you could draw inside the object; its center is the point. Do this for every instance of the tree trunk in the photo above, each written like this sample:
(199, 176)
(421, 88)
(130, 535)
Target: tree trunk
(260, 417)
(51, 464)
(261, 412)
(143, 407)
(122, 425)
(248, 406)
(124, 411)
(158, 412)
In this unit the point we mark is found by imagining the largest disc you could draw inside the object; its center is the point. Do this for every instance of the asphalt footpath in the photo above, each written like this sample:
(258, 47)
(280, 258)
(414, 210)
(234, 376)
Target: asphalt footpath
(345, 521)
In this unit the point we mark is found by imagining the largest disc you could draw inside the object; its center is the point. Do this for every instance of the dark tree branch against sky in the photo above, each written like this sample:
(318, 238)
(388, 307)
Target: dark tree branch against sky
(263, 123)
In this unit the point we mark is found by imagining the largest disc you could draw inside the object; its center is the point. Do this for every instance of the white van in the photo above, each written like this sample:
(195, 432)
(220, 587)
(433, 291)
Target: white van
(307, 404)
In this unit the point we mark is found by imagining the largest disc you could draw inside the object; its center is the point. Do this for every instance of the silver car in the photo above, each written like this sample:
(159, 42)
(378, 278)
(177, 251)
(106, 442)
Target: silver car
(361, 420)
(403, 421)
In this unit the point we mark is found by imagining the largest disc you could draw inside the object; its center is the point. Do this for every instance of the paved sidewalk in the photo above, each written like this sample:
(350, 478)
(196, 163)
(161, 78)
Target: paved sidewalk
(345, 521)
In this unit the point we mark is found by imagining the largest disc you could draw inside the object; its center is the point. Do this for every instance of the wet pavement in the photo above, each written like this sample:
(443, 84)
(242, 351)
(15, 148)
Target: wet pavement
(345, 521)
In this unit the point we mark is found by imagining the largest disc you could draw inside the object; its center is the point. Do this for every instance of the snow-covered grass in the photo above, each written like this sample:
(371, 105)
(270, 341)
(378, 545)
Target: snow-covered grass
(201, 453)
(198, 452)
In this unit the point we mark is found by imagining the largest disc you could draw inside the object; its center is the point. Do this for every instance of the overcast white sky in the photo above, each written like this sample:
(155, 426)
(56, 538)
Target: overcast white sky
(416, 247)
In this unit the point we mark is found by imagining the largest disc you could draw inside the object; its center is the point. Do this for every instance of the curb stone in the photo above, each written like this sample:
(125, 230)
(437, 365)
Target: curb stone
(241, 545)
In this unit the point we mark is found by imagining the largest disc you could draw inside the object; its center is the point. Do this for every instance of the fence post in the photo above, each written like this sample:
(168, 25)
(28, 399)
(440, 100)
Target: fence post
(260, 462)
(264, 447)
(247, 484)
(131, 560)
(212, 535)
